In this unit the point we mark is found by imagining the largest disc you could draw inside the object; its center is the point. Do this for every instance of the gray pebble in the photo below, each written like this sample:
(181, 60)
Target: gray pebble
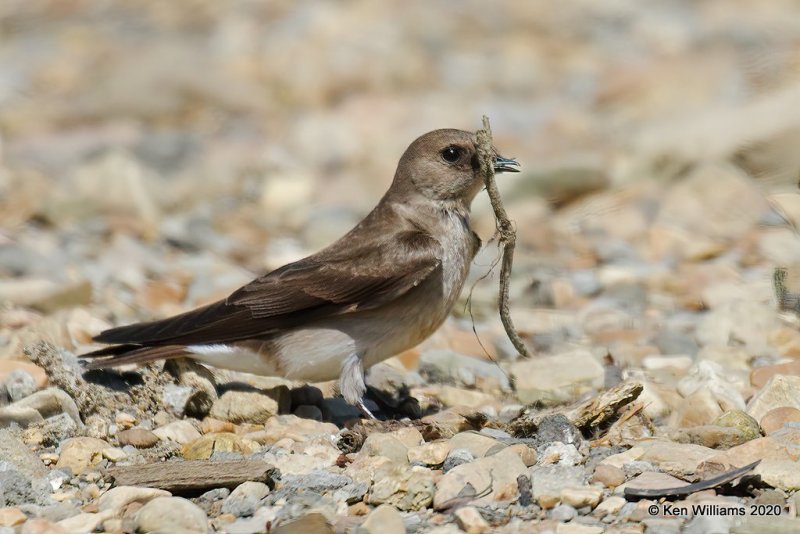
(563, 513)
(245, 499)
(20, 384)
(457, 457)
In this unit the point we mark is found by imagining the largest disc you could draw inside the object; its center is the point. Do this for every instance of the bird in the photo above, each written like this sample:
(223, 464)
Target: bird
(382, 288)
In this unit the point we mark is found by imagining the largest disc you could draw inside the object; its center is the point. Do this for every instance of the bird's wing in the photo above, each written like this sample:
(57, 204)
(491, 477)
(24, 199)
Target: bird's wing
(361, 277)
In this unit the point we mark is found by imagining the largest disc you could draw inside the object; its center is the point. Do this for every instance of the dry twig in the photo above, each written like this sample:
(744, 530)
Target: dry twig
(508, 237)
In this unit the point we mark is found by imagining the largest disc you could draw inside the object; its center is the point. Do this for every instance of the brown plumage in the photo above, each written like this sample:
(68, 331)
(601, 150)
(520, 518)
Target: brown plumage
(382, 288)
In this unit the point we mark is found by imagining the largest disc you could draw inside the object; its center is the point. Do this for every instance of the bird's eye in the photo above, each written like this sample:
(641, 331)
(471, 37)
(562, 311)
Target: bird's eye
(451, 154)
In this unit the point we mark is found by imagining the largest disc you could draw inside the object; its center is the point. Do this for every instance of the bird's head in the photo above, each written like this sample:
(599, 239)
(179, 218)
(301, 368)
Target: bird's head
(443, 165)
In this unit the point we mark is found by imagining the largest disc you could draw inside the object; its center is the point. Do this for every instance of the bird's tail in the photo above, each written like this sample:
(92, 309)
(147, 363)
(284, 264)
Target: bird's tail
(129, 353)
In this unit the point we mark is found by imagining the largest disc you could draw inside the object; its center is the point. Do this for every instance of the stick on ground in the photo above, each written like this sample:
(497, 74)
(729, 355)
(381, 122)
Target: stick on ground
(505, 229)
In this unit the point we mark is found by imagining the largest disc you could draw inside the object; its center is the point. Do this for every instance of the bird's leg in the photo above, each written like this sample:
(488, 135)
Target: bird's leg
(352, 385)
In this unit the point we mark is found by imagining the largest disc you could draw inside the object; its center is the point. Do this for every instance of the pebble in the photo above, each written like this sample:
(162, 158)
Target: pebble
(203, 447)
(11, 517)
(171, 514)
(116, 499)
(19, 384)
(385, 445)
(777, 418)
(779, 392)
(556, 379)
(430, 454)
(81, 453)
(496, 474)
(608, 475)
(471, 521)
(251, 406)
(563, 513)
(181, 432)
(137, 437)
(405, 489)
(245, 499)
(457, 457)
(580, 497)
(384, 519)
(476, 443)
(550, 480)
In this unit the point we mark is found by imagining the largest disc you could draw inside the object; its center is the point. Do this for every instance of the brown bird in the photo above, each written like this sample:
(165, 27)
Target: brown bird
(384, 287)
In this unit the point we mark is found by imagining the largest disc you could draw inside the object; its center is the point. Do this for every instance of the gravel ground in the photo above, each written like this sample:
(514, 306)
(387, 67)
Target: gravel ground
(155, 156)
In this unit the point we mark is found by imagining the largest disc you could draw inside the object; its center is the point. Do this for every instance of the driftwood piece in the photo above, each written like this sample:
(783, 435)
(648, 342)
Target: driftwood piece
(596, 412)
(688, 489)
(193, 476)
(587, 416)
(508, 238)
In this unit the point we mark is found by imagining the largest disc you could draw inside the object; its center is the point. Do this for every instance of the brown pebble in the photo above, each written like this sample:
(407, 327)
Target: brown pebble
(209, 425)
(358, 508)
(608, 475)
(761, 375)
(776, 418)
(138, 437)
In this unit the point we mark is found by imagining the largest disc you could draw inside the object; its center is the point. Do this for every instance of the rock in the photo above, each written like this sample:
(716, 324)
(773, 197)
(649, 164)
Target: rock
(384, 519)
(557, 379)
(743, 422)
(578, 528)
(608, 475)
(313, 522)
(496, 474)
(471, 521)
(251, 406)
(47, 403)
(41, 526)
(780, 392)
(563, 513)
(679, 458)
(654, 480)
(453, 396)
(446, 366)
(609, 506)
(245, 499)
(712, 436)
(251, 525)
(550, 480)
(561, 454)
(526, 454)
(457, 457)
(171, 514)
(8, 367)
(16, 453)
(19, 384)
(81, 453)
(777, 418)
(57, 429)
(181, 432)
(140, 438)
(780, 474)
(429, 454)
(403, 488)
(337, 411)
(699, 408)
(319, 481)
(116, 499)
(114, 454)
(385, 445)
(351, 493)
(11, 517)
(776, 446)
(557, 428)
(580, 497)
(205, 446)
(761, 375)
(476, 443)
(16, 489)
(85, 522)
(295, 428)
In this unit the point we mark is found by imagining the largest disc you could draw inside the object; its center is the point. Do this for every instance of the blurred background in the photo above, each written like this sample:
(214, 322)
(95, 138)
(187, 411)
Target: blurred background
(156, 155)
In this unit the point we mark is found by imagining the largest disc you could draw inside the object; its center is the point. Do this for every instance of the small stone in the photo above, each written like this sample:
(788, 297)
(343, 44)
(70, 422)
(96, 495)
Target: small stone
(138, 437)
(549, 480)
(245, 499)
(81, 453)
(430, 454)
(205, 446)
(124, 420)
(384, 519)
(471, 521)
(476, 443)
(780, 474)
(609, 506)
(114, 454)
(655, 480)
(557, 428)
(777, 418)
(7, 368)
(118, 498)
(406, 489)
(171, 514)
(181, 432)
(210, 425)
(58, 428)
(608, 475)
(557, 379)
(563, 513)
(526, 454)
(497, 473)
(40, 525)
(16, 453)
(580, 497)
(314, 522)
(457, 457)
(561, 454)
(740, 420)
(251, 406)
(19, 384)
(385, 445)
(11, 517)
(781, 391)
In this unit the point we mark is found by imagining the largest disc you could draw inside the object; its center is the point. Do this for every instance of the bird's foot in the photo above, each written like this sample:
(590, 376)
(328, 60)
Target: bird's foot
(364, 410)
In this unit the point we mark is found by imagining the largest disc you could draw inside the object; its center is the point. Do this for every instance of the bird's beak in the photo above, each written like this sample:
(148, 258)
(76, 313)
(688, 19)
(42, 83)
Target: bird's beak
(502, 164)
